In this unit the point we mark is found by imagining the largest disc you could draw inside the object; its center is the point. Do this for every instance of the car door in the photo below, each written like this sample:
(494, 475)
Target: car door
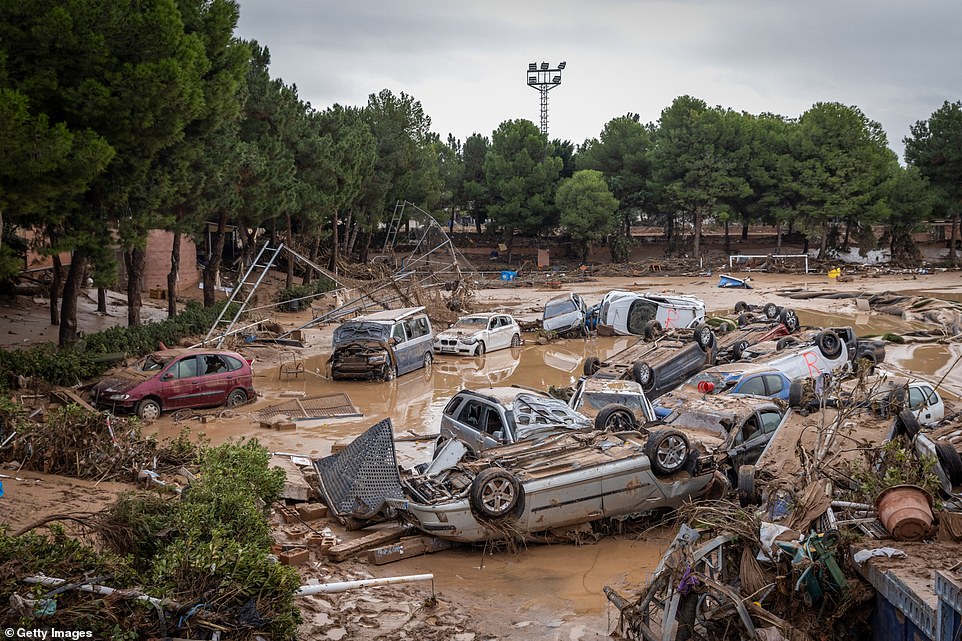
(179, 384)
(927, 406)
(752, 436)
(402, 349)
(776, 386)
(470, 423)
(505, 331)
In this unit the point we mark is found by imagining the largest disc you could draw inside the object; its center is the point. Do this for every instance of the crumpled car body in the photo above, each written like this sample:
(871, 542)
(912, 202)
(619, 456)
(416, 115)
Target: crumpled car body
(565, 314)
(477, 334)
(382, 345)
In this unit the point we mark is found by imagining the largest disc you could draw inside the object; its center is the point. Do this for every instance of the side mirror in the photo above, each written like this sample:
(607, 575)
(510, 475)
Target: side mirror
(167, 377)
(392, 341)
(499, 436)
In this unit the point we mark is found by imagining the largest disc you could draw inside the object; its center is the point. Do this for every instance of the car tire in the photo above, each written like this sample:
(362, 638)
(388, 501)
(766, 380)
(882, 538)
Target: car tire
(789, 319)
(479, 351)
(439, 443)
(785, 341)
(951, 462)
(615, 418)
(148, 409)
(496, 494)
(829, 344)
(745, 319)
(516, 340)
(592, 365)
(746, 486)
(796, 393)
(390, 372)
(739, 349)
(667, 451)
(741, 307)
(771, 311)
(653, 330)
(704, 336)
(643, 375)
(236, 397)
(908, 423)
(428, 360)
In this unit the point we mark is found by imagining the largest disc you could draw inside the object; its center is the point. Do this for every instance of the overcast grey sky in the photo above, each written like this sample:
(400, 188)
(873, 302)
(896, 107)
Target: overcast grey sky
(466, 62)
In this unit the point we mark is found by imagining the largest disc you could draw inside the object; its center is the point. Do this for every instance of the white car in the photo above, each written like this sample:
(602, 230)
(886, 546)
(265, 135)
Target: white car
(631, 313)
(478, 333)
(565, 314)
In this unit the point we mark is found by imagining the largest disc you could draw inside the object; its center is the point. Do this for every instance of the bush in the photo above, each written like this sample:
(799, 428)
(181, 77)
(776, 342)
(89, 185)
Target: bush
(318, 286)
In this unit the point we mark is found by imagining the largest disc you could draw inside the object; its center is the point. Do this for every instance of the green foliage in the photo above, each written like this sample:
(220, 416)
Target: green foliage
(313, 288)
(895, 463)
(210, 546)
(621, 153)
(70, 365)
(620, 247)
(588, 210)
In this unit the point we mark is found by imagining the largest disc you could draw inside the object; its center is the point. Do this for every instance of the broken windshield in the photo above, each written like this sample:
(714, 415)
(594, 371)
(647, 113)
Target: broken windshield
(360, 331)
(154, 363)
(471, 323)
(559, 307)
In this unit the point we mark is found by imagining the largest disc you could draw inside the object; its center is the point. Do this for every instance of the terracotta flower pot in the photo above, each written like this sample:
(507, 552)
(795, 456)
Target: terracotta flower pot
(906, 512)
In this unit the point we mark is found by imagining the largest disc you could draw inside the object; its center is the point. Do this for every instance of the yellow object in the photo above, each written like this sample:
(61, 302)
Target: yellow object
(835, 273)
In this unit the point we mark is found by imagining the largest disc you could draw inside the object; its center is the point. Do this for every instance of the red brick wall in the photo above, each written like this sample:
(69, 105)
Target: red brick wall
(159, 243)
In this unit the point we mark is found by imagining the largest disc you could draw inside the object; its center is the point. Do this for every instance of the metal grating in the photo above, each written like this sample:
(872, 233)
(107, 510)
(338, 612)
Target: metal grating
(334, 405)
(356, 481)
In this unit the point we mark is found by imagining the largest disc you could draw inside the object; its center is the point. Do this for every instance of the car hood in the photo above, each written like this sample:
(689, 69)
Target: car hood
(120, 384)
(458, 333)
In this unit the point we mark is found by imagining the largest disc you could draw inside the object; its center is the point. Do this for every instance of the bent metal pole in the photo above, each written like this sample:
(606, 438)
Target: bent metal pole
(344, 586)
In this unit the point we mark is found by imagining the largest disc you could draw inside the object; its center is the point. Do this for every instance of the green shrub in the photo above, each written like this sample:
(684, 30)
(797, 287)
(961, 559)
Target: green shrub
(318, 286)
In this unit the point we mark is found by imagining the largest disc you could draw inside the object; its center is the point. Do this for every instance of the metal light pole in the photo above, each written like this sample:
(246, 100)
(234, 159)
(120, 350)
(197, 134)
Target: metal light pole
(544, 79)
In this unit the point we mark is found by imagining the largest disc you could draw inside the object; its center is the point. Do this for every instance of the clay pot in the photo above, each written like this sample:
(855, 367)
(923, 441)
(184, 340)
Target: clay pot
(906, 512)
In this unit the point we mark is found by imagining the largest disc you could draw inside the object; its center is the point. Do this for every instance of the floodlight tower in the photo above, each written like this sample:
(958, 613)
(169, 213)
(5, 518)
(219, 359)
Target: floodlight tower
(544, 79)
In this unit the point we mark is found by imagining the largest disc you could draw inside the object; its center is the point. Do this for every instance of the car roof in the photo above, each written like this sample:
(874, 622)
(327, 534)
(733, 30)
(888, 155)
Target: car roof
(504, 395)
(390, 315)
(177, 352)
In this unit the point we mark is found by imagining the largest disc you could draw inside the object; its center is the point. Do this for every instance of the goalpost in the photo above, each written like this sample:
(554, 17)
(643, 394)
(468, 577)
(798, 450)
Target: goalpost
(733, 260)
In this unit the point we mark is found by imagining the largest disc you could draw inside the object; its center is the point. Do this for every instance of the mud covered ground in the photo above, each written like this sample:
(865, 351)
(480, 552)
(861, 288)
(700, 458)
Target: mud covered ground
(539, 592)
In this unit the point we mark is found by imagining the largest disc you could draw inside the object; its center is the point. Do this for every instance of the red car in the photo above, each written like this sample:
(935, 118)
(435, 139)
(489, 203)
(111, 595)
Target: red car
(177, 378)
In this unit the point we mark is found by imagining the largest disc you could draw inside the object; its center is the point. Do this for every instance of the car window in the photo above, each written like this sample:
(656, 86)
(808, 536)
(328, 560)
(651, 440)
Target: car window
(397, 333)
(233, 364)
(770, 420)
(493, 423)
(493, 323)
(747, 432)
(212, 364)
(753, 385)
(452, 405)
(915, 397)
(559, 307)
(471, 414)
(185, 367)
(639, 314)
(774, 383)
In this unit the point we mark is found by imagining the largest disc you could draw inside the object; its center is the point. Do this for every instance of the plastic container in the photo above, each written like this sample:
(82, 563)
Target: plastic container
(906, 512)
(508, 275)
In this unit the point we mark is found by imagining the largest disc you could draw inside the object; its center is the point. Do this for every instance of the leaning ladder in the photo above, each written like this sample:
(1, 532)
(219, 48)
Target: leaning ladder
(221, 328)
(394, 226)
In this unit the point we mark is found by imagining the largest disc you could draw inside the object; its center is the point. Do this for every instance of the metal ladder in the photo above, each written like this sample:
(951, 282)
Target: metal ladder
(248, 285)
(394, 226)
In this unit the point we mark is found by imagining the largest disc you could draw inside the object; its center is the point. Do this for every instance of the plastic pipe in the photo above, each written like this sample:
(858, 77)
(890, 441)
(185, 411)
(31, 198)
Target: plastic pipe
(344, 586)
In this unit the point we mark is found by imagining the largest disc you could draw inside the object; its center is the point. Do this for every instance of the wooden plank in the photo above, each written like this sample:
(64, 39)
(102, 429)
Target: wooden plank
(68, 396)
(346, 550)
(407, 547)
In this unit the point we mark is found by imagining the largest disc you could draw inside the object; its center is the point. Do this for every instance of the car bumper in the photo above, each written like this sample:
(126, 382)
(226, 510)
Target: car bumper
(454, 347)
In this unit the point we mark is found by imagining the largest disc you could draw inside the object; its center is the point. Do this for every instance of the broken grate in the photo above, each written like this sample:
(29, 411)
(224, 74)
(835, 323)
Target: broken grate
(327, 406)
(357, 480)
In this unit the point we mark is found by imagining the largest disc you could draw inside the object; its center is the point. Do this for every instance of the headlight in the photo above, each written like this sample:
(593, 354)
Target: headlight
(118, 397)
(469, 340)
(376, 359)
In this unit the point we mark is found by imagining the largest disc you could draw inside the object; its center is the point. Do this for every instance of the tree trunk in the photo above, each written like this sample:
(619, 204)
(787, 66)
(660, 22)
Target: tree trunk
(744, 230)
(332, 264)
(55, 286)
(102, 300)
(696, 241)
(848, 228)
(365, 250)
(349, 251)
(315, 250)
(71, 291)
(823, 247)
(778, 238)
(135, 259)
(173, 274)
(213, 261)
(290, 258)
(955, 227)
(346, 239)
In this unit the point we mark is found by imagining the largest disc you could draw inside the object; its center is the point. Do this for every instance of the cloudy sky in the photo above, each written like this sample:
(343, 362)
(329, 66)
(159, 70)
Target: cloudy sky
(466, 62)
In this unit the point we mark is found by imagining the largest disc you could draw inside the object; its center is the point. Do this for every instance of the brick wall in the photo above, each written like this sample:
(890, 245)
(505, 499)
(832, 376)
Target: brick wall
(159, 243)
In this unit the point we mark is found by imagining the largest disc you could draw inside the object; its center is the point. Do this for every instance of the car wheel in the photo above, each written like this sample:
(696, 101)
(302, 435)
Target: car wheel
(908, 423)
(667, 451)
(236, 397)
(148, 409)
(643, 375)
(615, 418)
(653, 330)
(428, 360)
(741, 306)
(389, 372)
(739, 349)
(771, 311)
(704, 336)
(789, 319)
(495, 493)
(516, 340)
(785, 341)
(745, 319)
(439, 444)
(480, 349)
(950, 461)
(796, 393)
(592, 365)
(746, 486)
(829, 344)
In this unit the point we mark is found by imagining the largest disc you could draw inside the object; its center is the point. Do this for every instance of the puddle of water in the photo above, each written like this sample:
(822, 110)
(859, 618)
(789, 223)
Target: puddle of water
(865, 324)
(932, 362)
